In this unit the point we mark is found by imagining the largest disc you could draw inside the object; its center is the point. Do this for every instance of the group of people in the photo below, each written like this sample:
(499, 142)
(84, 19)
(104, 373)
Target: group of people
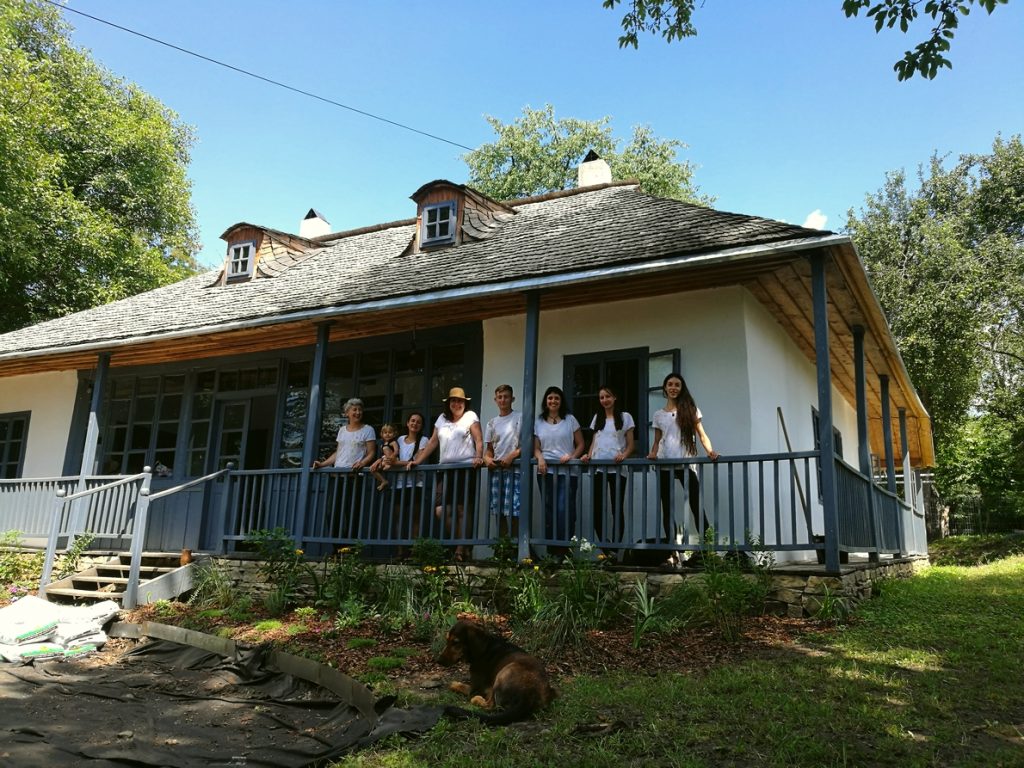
(558, 440)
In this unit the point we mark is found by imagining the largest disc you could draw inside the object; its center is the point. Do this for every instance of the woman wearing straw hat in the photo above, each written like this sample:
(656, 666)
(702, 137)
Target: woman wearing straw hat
(457, 433)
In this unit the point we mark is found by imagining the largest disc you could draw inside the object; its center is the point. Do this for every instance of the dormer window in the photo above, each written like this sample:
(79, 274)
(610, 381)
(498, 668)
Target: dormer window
(438, 224)
(240, 260)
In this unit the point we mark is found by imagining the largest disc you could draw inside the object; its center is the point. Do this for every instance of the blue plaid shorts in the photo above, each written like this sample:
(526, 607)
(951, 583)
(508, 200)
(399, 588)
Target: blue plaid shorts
(505, 492)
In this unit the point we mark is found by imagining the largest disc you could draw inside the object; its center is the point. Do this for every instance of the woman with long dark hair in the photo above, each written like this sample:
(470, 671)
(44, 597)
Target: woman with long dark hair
(408, 486)
(557, 439)
(677, 427)
(612, 441)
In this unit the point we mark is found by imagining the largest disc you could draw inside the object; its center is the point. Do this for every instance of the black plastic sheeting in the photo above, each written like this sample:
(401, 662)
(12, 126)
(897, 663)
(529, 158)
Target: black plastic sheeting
(165, 704)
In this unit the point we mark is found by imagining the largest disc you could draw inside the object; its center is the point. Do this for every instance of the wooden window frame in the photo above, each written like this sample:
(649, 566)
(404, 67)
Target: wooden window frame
(452, 209)
(5, 444)
(233, 260)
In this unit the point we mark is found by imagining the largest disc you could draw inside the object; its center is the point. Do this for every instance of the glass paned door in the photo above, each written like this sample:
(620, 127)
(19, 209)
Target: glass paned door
(234, 428)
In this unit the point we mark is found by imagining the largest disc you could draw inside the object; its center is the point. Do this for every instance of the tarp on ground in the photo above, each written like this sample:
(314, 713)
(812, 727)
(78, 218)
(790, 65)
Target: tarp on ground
(165, 704)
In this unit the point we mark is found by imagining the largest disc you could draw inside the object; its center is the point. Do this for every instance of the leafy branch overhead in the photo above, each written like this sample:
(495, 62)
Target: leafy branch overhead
(672, 20)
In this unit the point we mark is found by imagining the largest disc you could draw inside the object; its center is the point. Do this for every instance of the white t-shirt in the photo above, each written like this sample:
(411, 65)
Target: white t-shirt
(503, 433)
(406, 452)
(610, 441)
(556, 440)
(671, 445)
(352, 445)
(455, 438)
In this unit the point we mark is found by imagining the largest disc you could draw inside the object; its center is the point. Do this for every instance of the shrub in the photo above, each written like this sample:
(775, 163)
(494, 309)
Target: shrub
(281, 564)
(211, 586)
(345, 575)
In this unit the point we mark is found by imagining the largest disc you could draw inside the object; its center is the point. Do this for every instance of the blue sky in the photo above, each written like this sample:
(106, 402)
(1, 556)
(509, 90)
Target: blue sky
(788, 107)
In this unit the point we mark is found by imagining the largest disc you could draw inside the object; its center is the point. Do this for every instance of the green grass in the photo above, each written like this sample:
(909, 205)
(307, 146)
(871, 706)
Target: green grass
(360, 642)
(929, 673)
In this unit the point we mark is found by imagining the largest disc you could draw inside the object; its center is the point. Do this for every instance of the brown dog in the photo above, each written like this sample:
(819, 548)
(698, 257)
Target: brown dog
(502, 676)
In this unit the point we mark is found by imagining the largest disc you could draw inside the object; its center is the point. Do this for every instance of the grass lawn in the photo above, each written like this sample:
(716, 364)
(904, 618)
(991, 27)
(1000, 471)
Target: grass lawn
(929, 673)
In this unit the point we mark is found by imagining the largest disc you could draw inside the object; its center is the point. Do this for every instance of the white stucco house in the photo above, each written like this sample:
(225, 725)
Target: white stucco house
(775, 328)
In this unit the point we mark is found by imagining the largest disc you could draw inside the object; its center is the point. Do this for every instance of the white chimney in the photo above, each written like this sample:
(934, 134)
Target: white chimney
(593, 170)
(314, 224)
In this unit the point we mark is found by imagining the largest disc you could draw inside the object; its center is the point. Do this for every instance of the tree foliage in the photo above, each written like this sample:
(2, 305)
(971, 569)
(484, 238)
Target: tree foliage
(94, 198)
(538, 153)
(672, 20)
(947, 263)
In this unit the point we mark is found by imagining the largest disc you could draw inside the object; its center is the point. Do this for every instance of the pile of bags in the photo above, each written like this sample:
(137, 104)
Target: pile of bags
(33, 629)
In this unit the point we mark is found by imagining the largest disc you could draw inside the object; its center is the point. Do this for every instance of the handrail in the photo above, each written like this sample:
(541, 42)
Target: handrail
(62, 494)
(62, 499)
(197, 481)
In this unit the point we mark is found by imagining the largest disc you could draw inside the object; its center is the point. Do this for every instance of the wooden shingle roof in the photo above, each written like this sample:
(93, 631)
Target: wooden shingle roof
(606, 226)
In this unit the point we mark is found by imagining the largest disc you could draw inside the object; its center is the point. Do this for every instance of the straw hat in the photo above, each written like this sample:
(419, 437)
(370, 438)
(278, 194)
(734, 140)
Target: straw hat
(458, 392)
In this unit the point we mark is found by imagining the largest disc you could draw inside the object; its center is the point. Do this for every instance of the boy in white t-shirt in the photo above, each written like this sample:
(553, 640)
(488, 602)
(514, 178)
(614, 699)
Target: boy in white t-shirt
(501, 439)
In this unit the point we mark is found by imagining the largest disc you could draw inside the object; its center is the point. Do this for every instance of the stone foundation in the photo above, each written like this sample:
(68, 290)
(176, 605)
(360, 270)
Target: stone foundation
(795, 591)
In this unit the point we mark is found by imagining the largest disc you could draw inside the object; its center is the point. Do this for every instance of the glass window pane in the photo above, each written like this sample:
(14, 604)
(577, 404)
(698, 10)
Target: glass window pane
(234, 416)
(448, 356)
(166, 438)
(148, 386)
(197, 463)
(145, 409)
(170, 408)
(248, 379)
(202, 406)
(374, 363)
(140, 436)
(229, 381)
(298, 375)
(267, 378)
(174, 385)
(122, 387)
(413, 361)
(206, 381)
(17, 429)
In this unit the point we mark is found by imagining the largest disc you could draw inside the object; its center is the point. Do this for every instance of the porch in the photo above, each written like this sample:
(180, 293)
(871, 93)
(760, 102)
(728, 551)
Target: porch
(756, 504)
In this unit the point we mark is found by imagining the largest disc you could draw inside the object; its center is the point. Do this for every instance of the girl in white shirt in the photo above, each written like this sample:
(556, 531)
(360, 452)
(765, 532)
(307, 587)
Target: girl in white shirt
(677, 427)
(613, 441)
(457, 432)
(557, 439)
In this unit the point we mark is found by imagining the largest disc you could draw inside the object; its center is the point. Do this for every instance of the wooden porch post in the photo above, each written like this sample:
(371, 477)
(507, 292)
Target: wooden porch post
(92, 436)
(863, 451)
(529, 398)
(825, 438)
(311, 441)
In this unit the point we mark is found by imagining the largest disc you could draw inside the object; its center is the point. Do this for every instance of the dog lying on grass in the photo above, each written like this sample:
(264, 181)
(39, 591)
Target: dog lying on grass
(502, 676)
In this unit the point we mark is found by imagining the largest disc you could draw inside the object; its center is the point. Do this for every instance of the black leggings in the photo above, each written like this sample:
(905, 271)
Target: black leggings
(665, 492)
(616, 485)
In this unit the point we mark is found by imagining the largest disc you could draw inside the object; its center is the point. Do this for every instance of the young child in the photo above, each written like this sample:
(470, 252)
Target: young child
(388, 453)
(501, 439)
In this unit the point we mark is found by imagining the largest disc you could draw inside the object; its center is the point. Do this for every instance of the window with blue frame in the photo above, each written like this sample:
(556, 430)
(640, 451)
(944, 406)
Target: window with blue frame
(13, 437)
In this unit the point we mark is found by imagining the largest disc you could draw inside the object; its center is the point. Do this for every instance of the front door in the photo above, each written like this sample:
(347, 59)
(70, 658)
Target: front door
(244, 430)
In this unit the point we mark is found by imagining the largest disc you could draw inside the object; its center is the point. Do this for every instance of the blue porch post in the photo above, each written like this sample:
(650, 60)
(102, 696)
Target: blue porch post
(908, 478)
(890, 462)
(92, 436)
(863, 450)
(311, 441)
(529, 398)
(830, 509)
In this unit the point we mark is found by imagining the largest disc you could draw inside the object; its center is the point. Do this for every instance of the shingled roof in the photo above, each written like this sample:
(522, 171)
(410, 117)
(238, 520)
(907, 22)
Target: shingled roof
(560, 233)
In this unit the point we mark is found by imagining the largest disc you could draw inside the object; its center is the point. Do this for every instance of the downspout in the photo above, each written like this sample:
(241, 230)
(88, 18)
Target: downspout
(826, 441)
(529, 415)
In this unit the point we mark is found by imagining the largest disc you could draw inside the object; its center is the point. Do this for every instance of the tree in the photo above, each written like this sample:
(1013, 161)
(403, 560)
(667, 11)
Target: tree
(94, 198)
(539, 153)
(671, 19)
(947, 263)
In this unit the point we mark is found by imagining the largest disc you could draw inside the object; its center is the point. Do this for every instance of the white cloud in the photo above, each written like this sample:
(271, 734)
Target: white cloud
(815, 219)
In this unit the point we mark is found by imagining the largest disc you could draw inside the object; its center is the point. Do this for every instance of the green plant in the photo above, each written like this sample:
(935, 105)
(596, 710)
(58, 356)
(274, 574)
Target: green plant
(832, 608)
(345, 575)
(276, 601)
(429, 552)
(267, 625)
(385, 663)
(649, 616)
(19, 571)
(360, 642)
(351, 613)
(211, 585)
(68, 562)
(305, 613)
(283, 565)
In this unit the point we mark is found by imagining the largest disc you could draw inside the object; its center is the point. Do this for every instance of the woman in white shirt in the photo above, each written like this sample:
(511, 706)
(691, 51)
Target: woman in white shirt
(457, 433)
(408, 485)
(557, 439)
(677, 427)
(357, 446)
(613, 441)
